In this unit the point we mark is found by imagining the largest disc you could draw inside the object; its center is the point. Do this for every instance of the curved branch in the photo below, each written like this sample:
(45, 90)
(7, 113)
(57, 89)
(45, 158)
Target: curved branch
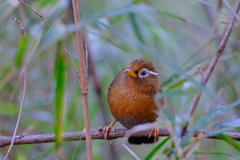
(97, 134)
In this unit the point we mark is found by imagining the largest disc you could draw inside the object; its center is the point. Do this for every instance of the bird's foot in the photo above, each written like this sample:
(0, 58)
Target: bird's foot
(156, 132)
(108, 128)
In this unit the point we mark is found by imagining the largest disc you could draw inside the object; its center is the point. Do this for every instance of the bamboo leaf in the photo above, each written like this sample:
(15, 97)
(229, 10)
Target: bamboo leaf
(228, 123)
(60, 79)
(20, 52)
(230, 141)
(151, 154)
(75, 150)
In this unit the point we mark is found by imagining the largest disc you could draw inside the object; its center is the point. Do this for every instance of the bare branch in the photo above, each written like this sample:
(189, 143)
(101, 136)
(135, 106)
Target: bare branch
(83, 80)
(99, 134)
(36, 13)
(24, 87)
(21, 26)
(213, 63)
(70, 57)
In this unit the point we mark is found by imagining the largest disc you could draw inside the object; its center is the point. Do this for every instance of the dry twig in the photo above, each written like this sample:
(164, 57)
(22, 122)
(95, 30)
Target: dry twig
(24, 87)
(233, 12)
(83, 80)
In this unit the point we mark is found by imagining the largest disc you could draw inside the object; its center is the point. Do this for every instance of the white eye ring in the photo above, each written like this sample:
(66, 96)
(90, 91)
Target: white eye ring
(144, 73)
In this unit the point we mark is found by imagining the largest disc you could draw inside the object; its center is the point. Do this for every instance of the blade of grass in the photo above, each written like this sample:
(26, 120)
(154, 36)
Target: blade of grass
(154, 151)
(230, 141)
(129, 150)
(60, 79)
(75, 150)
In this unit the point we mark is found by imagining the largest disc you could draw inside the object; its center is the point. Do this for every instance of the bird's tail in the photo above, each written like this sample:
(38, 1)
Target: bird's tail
(141, 140)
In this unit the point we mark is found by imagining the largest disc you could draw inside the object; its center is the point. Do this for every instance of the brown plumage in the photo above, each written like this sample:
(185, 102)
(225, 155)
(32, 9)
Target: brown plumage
(131, 97)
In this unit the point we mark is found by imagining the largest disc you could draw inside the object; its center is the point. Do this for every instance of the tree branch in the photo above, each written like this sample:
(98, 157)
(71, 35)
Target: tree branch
(98, 134)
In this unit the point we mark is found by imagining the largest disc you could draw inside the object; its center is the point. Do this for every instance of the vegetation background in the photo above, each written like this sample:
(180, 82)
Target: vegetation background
(178, 36)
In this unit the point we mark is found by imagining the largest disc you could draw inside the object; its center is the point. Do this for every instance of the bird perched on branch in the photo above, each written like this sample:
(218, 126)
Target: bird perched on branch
(131, 98)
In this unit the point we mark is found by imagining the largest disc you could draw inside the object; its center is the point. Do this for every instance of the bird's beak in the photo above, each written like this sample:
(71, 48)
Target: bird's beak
(130, 73)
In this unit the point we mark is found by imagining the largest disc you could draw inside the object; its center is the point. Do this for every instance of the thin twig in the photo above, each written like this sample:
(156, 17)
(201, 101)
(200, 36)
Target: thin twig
(214, 29)
(21, 13)
(213, 7)
(70, 57)
(83, 80)
(36, 13)
(233, 12)
(24, 87)
(213, 63)
(99, 134)
(225, 22)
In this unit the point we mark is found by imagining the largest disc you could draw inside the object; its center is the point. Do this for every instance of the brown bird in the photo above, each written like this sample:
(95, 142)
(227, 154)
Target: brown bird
(131, 98)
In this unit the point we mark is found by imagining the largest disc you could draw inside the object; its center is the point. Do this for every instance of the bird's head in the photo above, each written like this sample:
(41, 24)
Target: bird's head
(141, 68)
(143, 74)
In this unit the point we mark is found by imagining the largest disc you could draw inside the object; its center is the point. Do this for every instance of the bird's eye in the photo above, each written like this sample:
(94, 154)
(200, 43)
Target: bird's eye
(143, 73)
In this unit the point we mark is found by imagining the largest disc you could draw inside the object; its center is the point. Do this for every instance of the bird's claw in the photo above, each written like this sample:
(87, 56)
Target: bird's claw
(156, 132)
(106, 130)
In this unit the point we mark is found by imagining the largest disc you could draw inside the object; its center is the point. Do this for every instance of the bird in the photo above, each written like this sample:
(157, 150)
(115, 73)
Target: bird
(131, 99)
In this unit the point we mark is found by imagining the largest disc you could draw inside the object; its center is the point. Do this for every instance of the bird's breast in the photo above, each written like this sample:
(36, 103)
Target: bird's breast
(130, 106)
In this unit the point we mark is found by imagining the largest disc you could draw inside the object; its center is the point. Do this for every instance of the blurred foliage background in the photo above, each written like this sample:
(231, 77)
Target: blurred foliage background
(176, 35)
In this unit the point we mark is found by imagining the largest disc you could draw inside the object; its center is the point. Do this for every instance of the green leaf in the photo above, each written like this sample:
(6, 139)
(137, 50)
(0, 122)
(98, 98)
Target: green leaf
(175, 85)
(20, 52)
(174, 16)
(75, 150)
(151, 154)
(166, 150)
(230, 141)
(60, 79)
(138, 1)
(136, 28)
